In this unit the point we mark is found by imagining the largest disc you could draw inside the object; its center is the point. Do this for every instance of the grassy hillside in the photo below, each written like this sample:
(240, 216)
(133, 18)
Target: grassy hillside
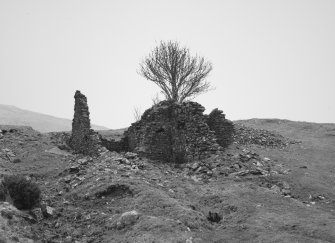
(254, 191)
(312, 162)
(11, 115)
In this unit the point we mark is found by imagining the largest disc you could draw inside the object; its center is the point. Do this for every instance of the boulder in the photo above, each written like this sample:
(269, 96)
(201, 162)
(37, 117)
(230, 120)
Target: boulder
(124, 220)
(127, 219)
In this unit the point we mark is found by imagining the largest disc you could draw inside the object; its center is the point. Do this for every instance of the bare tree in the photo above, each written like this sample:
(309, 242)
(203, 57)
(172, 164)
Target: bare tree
(179, 75)
(137, 114)
(155, 100)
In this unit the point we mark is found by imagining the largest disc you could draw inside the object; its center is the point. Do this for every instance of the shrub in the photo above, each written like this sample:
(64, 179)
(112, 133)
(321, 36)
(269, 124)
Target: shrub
(24, 193)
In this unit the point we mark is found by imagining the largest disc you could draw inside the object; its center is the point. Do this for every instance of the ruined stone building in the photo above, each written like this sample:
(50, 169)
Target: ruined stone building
(168, 131)
(83, 139)
(179, 132)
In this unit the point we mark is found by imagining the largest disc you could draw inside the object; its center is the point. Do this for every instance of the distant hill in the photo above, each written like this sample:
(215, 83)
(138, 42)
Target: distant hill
(11, 115)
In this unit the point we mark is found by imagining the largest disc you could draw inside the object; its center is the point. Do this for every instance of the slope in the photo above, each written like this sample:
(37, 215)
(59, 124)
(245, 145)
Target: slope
(266, 187)
(11, 115)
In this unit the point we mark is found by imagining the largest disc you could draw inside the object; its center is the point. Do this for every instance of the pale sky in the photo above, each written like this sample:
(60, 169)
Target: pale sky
(271, 58)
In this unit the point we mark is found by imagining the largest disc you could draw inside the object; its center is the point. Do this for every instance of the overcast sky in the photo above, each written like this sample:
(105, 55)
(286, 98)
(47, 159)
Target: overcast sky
(271, 58)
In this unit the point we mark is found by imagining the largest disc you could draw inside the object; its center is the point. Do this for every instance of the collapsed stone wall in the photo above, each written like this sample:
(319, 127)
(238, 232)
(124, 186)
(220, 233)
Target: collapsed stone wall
(115, 145)
(83, 139)
(172, 132)
(223, 128)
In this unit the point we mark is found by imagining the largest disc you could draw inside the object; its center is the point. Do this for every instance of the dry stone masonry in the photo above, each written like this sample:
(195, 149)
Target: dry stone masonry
(173, 132)
(117, 145)
(168, 131)
(223, 128)
(83, 139)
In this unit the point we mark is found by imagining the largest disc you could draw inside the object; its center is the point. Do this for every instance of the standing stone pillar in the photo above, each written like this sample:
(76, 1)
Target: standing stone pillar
(83, 139)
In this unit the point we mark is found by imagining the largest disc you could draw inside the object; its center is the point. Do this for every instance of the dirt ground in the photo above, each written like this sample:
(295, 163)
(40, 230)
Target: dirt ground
(275, 186)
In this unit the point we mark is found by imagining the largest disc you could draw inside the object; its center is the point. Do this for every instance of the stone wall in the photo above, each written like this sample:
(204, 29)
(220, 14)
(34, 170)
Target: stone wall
(223, 128)
(115, 145)
(172, 132)
(83, 139)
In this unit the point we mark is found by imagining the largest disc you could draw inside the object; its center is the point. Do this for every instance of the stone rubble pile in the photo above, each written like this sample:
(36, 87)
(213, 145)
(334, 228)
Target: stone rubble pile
(247, 135)
(83, 139)
(81, 169)
(233, 165)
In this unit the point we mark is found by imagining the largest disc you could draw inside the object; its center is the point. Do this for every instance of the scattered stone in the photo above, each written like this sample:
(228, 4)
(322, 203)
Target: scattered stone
(131, 155)
(241, 173)
(275, 189)
(74, 169)
(7, 154)
(67, 179)
(210, 173)
(83, 161)
(37, 214)
(201, 169)
(246, 135)
(237, 166)
(68, 239)
(286, 191)
(8, 211)
(122, 160)
(317, 197)
(189, 240)
(285, 185)
(195, 166)
(258, 164)
(47, 210)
